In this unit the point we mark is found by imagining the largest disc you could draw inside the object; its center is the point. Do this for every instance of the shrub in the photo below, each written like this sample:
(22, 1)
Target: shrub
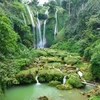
(75, 81)
(95, 66)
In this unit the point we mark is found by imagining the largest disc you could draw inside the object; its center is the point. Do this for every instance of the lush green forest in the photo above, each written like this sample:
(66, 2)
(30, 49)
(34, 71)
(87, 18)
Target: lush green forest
(77, 35)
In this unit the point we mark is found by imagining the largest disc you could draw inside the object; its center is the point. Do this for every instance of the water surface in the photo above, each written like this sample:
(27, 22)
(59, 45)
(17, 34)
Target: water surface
(32, 92)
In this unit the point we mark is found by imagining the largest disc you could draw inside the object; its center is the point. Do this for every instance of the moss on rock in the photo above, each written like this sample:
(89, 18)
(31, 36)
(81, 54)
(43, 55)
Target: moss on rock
(75, 81)
(64, 87)
(54, 83)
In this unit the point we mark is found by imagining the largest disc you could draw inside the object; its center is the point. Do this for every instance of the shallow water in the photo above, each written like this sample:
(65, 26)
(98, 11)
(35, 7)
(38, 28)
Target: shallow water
(32, 92)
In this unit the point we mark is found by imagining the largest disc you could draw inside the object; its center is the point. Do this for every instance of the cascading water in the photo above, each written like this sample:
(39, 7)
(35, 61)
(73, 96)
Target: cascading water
(44, 38)
(32, 21)
(39, 40)
(37, 81)
(24, 18)
(64, 80)
(31, 15)
(56, 24)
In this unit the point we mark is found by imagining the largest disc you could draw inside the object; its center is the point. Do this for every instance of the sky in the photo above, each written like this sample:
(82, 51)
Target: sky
(42, 1)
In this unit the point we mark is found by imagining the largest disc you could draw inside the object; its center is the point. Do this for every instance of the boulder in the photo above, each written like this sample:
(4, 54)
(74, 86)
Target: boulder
(43, 98)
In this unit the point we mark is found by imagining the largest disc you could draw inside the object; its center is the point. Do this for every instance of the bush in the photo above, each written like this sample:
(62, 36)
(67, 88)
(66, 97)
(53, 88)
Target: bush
(75, 81)
(95, 98)
(50, 75)
(70, 46)
(95, 66)
(25, 77)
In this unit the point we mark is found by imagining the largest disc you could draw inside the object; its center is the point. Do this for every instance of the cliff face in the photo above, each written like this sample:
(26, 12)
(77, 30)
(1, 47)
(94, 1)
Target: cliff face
(56, 18)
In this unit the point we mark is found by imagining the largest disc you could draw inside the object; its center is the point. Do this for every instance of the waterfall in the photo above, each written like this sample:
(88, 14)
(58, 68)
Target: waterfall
(80, 75)
(64, 80)
(56, 24)
(37, 81)
(44, 38)
(24, 18)
(31, 15)
(40, 42)
(32, 21)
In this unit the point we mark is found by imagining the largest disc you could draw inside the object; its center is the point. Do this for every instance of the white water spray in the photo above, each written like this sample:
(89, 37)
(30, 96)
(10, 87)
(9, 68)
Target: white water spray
(56, 24)
(64, 80)
(37, 81)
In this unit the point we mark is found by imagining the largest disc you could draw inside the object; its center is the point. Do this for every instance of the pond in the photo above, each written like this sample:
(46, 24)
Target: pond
(34, 91)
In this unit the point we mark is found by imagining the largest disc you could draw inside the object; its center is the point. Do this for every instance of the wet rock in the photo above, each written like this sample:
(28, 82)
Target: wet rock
(43, 98)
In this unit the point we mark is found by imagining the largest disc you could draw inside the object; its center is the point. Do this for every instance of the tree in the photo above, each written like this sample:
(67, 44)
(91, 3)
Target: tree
(8, 41)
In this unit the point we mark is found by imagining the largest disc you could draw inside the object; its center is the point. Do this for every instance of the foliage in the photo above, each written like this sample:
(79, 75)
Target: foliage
(25, 77)
(95, 98)
(8, 42)
(70, 46)
(95, 66)
(54, 83)
(49, 75)
(75, 81)
(91, 50)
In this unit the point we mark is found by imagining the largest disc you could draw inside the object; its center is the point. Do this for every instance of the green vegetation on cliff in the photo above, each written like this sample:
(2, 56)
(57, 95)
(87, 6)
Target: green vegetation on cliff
(78, 35)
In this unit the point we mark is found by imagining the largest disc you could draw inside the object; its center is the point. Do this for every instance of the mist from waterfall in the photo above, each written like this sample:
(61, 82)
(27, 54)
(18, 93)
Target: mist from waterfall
(56, 24)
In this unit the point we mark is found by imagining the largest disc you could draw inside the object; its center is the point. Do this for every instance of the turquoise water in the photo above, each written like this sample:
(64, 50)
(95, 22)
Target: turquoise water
(32, 92)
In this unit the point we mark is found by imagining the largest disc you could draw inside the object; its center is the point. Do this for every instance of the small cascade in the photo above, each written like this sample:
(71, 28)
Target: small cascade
(44, 38)
(80, 75)
(79, 72)
(37, 81)
(64, 80)
(24, 18)
(56, 24)
(39, 41)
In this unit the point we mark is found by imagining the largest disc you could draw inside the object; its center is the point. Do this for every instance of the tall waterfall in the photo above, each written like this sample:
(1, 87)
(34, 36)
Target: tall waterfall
(31, 15)
(39, 40)
(32, 21)
(56, 24)
(44, 30)
(24, 18)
